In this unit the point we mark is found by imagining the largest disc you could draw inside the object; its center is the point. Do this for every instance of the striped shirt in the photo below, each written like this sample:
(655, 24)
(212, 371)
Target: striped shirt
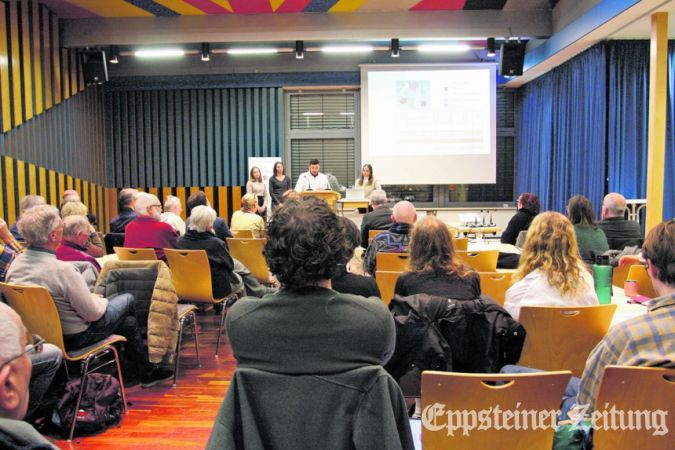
(647, 340)
(7, 253)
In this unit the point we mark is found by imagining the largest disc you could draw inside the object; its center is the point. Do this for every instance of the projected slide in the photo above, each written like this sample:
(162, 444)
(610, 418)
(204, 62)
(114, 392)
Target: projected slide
(442, 118)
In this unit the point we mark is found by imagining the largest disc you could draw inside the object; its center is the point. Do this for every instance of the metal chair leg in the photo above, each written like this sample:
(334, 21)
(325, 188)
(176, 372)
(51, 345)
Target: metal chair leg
(195, 331)
(119, 374)
(83, 383)
(220, 329)
(180, 341)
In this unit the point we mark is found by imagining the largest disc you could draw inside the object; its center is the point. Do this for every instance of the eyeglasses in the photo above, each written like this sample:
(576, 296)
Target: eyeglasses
(34, 348)
(155, 206)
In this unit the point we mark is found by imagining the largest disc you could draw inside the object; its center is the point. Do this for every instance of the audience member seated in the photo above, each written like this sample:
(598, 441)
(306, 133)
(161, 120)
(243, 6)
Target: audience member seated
(26, 203)
(246, 218)
(289, 195)
(71, 195)
(220, 226)
(86, 318)
(76, 232)
(146, 230)
(9, 248)
(620, 232)
(15, 372)
(307, 331)
(200, 237)
(378, 219)
(528, 208)
(590, 238)
(434, 268)
(93, 246)
(172, 212)
(126, 202)
(395, 240)
(551, 272)
(344, 281)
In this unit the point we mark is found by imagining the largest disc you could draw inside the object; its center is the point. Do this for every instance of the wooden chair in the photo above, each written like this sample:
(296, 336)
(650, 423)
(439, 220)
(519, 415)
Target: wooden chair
(481, 261)
(637, 389)
(135, 254)
(495, 284)
(191, 275)
(461, 243)
(619, 275)
(449, 394)
(645, 287)
(396, 262)
(386, 282)
(250, 253)
(562, 337)
(372, 234)
(242, 234)
(39, 314)
(187, 318)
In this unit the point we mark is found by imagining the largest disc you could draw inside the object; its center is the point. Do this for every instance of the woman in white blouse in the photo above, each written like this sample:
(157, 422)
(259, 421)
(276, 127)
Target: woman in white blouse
(551, 272)
(256, 186)
(367, 181)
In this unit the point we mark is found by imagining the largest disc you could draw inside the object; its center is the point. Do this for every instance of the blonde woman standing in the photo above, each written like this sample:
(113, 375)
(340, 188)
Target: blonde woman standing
(367, 181)
(256, 186)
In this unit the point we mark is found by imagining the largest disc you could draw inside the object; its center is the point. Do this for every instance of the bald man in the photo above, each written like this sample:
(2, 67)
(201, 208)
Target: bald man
(396, 239)
(620, 232)
(15, 370)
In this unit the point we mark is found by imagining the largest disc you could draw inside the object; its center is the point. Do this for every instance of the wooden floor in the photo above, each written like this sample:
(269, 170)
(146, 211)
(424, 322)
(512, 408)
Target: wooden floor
(166, 417)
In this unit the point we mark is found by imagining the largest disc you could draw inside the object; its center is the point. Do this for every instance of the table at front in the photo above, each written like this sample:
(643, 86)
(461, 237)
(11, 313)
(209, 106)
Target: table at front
(478, 230)
(345, 203)
(625, 310)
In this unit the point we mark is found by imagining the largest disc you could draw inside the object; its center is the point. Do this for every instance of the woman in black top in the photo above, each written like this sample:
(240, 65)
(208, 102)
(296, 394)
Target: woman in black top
(279, 183)
(528, 207)
(347, 282)
(435, 270)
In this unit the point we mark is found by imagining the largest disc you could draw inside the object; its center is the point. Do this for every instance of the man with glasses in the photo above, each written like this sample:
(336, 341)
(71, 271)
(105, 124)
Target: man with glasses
(148, 230)
(15, 371)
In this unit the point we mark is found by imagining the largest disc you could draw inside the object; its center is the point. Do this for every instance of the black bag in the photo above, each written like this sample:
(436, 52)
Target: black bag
(100, 406)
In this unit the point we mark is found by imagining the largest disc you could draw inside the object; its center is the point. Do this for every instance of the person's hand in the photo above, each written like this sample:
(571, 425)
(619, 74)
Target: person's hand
(629, 260)
(5, 234)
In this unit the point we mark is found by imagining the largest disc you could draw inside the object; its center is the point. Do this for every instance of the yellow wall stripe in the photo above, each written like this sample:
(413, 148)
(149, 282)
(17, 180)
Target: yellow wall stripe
(27, 61)
(62, 186)
(209, 194)
(37, 63)
(56, 59)
(65, 74)
(182, 8)
(69, 183)
(111, 8)
(52, 187)
(346, 6)
(42, 175)
(9, 190)
(180, 193)
(236, 198)
(15, 62)
(21, 179)
(85, 193)
(73, 72)
(222, 202)
(154, 191)
(47, 56)
(4, 72)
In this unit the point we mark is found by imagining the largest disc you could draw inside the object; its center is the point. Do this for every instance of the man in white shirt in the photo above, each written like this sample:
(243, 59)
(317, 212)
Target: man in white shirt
(312, 180)
(172, 212)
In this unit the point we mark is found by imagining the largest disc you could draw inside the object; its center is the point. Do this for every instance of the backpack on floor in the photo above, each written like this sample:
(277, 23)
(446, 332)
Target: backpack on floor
(100, 406)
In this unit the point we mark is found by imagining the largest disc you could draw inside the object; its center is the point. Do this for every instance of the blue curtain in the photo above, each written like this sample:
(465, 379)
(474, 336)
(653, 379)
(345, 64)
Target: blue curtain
(561, 140)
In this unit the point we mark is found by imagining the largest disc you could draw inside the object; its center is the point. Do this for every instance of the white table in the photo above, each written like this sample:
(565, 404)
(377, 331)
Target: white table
(625, 310)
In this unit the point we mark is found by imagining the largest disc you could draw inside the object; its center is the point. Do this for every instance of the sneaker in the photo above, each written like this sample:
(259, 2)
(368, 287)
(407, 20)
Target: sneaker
(157, 376)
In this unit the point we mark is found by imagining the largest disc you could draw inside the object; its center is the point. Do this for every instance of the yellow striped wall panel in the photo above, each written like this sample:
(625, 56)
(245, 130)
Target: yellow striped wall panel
(36, 44)
(52, 187)
(47, 61)
(10, 202)
(27, 60)
(180, 193)
(56, 60)
(20, 179)
(42, 175)
(5, 100)
(209, 194)
(15, 63)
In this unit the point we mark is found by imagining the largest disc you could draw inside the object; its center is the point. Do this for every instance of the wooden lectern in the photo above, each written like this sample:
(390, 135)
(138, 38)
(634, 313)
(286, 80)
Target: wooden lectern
(330, 197)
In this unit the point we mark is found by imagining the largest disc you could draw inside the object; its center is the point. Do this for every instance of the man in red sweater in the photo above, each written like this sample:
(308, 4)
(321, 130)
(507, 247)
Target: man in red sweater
(147, 230)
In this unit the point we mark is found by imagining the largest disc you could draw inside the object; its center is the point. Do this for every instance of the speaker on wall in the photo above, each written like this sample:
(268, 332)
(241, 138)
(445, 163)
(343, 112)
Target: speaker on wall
(512, 57)
(94, 66)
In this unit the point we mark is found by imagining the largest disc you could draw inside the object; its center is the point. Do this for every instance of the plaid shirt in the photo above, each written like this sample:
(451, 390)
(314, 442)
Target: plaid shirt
(7, 253)
(647, 340)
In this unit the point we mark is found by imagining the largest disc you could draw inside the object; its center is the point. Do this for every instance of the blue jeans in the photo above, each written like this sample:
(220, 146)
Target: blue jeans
(45, 365)
(569, 396)
(118, 319)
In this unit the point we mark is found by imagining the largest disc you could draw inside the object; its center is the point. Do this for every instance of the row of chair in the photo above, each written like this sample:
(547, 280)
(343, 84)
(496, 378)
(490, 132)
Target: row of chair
(481, 261)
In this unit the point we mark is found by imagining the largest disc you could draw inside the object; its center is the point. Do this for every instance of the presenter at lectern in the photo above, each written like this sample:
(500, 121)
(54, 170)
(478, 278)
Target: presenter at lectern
(312, 180)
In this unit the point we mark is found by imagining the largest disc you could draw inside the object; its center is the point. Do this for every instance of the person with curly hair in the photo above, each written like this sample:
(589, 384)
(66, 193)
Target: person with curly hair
(551, 271)
(528, 207)
(306, 327)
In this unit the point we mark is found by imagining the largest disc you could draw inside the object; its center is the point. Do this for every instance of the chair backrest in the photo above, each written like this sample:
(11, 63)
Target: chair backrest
(520, 240)
(481, 261)
(135, 254)
(386, 283)
(619, 275)
(458, 396)
(396, 262)
(645, 287)
(461, 243)
(112, 240)
(38, 311)
(191, 274)
(242, 234)
(562, 337)
(373, 233)
(250, 253)
(495, 284)
(648, 393)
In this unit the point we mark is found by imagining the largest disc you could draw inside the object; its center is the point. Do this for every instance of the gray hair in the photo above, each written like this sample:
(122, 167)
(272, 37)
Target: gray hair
(171, 202)
(378, 197)
(144, 200)
(37, 222)
(126, 196)
(31, 200)
(201, 218)
(10, 333)
(75, 208)
(74, 224)
(615, 204)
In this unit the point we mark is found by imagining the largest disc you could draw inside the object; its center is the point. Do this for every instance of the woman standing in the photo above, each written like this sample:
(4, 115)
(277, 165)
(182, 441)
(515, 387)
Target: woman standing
(256, 187)
(367, 181)
(590, 238)
(279, 183)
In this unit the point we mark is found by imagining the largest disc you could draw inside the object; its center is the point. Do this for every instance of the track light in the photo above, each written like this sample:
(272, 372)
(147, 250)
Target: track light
(491, 47)
(206, 51)
(395, 48)
(114, 53)
(299, 49)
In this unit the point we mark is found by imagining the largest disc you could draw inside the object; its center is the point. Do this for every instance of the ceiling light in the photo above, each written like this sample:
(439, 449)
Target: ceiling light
(299, 49)
(206, 51)
(443, 48)
(395, 48)
(114, 53)
(252, 51)
(347, 49)
(160, 53)
(490, 47)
